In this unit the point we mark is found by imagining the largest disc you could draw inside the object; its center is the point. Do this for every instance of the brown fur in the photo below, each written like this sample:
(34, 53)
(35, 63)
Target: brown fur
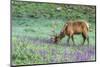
(71, 28)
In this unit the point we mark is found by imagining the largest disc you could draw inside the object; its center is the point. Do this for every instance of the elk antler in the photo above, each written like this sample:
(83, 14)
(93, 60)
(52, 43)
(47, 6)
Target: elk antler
(54, 24)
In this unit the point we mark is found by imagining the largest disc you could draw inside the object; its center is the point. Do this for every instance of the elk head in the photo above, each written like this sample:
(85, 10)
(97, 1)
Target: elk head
(56, 38)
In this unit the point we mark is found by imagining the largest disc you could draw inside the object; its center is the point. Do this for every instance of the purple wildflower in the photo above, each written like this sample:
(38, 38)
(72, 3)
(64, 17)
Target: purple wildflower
(43, 52)
(82, 56)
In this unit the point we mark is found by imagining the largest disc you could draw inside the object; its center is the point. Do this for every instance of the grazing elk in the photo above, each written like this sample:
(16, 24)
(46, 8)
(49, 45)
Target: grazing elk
(71, 28)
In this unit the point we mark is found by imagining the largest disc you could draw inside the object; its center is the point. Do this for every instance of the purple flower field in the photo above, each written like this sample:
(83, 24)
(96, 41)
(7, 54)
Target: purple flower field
(32, 52)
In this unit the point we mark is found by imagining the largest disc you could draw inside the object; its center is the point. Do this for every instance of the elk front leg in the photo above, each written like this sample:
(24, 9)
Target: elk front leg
(83, 40)
(68, 40)
(73, 40)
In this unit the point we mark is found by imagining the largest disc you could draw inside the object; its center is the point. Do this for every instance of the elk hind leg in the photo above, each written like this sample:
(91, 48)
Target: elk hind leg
(84, 38)
(88, 39)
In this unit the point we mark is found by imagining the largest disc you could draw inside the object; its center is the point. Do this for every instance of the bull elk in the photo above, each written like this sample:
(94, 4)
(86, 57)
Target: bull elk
(71, 28)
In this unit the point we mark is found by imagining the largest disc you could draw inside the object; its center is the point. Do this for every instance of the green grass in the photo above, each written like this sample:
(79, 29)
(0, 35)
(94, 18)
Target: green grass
(27, 51)
(32, 30)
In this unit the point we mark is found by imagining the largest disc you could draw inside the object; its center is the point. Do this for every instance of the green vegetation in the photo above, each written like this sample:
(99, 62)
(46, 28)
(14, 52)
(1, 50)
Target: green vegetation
(60, 11)
(32, 27)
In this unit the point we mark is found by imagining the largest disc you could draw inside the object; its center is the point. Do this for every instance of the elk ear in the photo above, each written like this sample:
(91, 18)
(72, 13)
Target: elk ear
(53, 39)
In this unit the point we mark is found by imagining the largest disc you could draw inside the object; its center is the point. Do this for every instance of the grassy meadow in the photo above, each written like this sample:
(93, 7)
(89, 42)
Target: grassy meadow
(31, 43)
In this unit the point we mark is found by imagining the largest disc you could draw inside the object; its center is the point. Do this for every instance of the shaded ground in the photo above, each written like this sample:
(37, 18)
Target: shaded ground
(48, 41)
